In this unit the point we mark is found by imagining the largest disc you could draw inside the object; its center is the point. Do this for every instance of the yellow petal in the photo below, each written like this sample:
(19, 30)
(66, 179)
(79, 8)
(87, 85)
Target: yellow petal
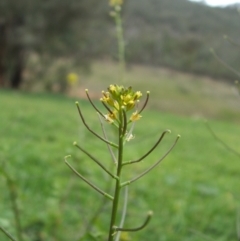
(135, 116)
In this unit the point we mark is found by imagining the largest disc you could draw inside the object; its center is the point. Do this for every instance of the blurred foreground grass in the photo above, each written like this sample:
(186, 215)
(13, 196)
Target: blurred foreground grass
(194, 192)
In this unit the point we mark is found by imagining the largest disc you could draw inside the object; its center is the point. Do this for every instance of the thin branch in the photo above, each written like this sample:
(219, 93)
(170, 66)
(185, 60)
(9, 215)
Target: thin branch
(108, 109)
(150, 151)
(238, 224)
(231, 41)
(124, 122)
(15, 207)
(89, 183)
(105, 136)
(84, 122)
(92, 220)
(13, 199)
(95, 160)
(7, 234)
(153, 166)
(123, 213)
(225, 64)
(98, 111)
(129, 134)
(145, 103)
(222, 142)
(237, 85)
(121, 44)
(148, 218)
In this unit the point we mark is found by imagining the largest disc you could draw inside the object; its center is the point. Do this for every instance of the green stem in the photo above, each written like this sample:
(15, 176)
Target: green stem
(15, 208)
(149, 215)
(150, 151)
(89, 183)
(95, 160)
(94, 133)
(7, 234)
(124, 211)
(112, 230)
(224, 63)
(152, 167)
(121, 45)
(13, 197)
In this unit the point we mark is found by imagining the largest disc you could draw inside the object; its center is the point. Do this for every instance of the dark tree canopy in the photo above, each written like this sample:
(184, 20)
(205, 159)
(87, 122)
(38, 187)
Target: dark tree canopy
(41, 26)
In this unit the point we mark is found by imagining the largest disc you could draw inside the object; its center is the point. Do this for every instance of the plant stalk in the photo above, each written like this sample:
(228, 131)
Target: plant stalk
(15, 208)
(118, 180)
(121, 44)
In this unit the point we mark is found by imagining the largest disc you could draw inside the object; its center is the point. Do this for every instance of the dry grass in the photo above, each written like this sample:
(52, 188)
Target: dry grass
(171, 91)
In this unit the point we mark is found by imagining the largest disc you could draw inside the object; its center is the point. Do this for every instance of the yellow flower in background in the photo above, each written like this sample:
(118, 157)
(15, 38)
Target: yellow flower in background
(125, 236)
(115, 2)
(72, 79)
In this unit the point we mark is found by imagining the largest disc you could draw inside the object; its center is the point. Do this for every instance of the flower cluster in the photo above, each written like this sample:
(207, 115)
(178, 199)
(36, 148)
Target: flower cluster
(118, 98)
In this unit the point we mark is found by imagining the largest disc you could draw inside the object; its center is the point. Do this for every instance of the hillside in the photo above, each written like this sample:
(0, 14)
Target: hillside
(177, 34)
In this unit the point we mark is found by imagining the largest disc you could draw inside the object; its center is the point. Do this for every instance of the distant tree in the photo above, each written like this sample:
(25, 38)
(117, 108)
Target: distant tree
(42, 26)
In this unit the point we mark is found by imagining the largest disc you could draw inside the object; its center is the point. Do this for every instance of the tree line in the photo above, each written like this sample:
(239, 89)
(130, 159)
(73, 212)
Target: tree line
(176, 34)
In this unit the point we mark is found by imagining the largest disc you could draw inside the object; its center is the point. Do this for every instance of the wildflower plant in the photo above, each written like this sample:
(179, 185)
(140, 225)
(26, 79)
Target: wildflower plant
(121, 111)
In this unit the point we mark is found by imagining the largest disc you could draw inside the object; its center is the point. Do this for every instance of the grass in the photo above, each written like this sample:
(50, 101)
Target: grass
(171, 91)
(194, 192)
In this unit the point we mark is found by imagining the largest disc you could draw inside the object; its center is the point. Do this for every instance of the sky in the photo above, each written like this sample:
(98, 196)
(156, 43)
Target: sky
(219, 2)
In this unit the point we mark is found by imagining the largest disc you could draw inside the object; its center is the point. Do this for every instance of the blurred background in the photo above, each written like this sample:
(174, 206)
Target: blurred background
(41, 40)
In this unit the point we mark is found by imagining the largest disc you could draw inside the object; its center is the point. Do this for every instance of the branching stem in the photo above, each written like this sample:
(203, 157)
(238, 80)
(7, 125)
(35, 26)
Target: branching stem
(118, 183)
(150, 168)
(94, 133)
(105, 136)
(89, 183)
(149, 215)
(7, 234)
(95, 160)
(15, 208)
(144, 156)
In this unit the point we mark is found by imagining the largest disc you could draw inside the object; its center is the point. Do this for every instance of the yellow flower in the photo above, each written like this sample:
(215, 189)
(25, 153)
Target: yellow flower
(135, 116)
(112, 88)
(72, 78)
(126, 98)
(110, 117)
(130, 104)
(137, 95)
(115, 2)
(107, 99)
(118, 97)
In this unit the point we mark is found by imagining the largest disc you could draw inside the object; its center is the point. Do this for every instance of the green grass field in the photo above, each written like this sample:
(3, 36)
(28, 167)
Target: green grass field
(194, 193)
